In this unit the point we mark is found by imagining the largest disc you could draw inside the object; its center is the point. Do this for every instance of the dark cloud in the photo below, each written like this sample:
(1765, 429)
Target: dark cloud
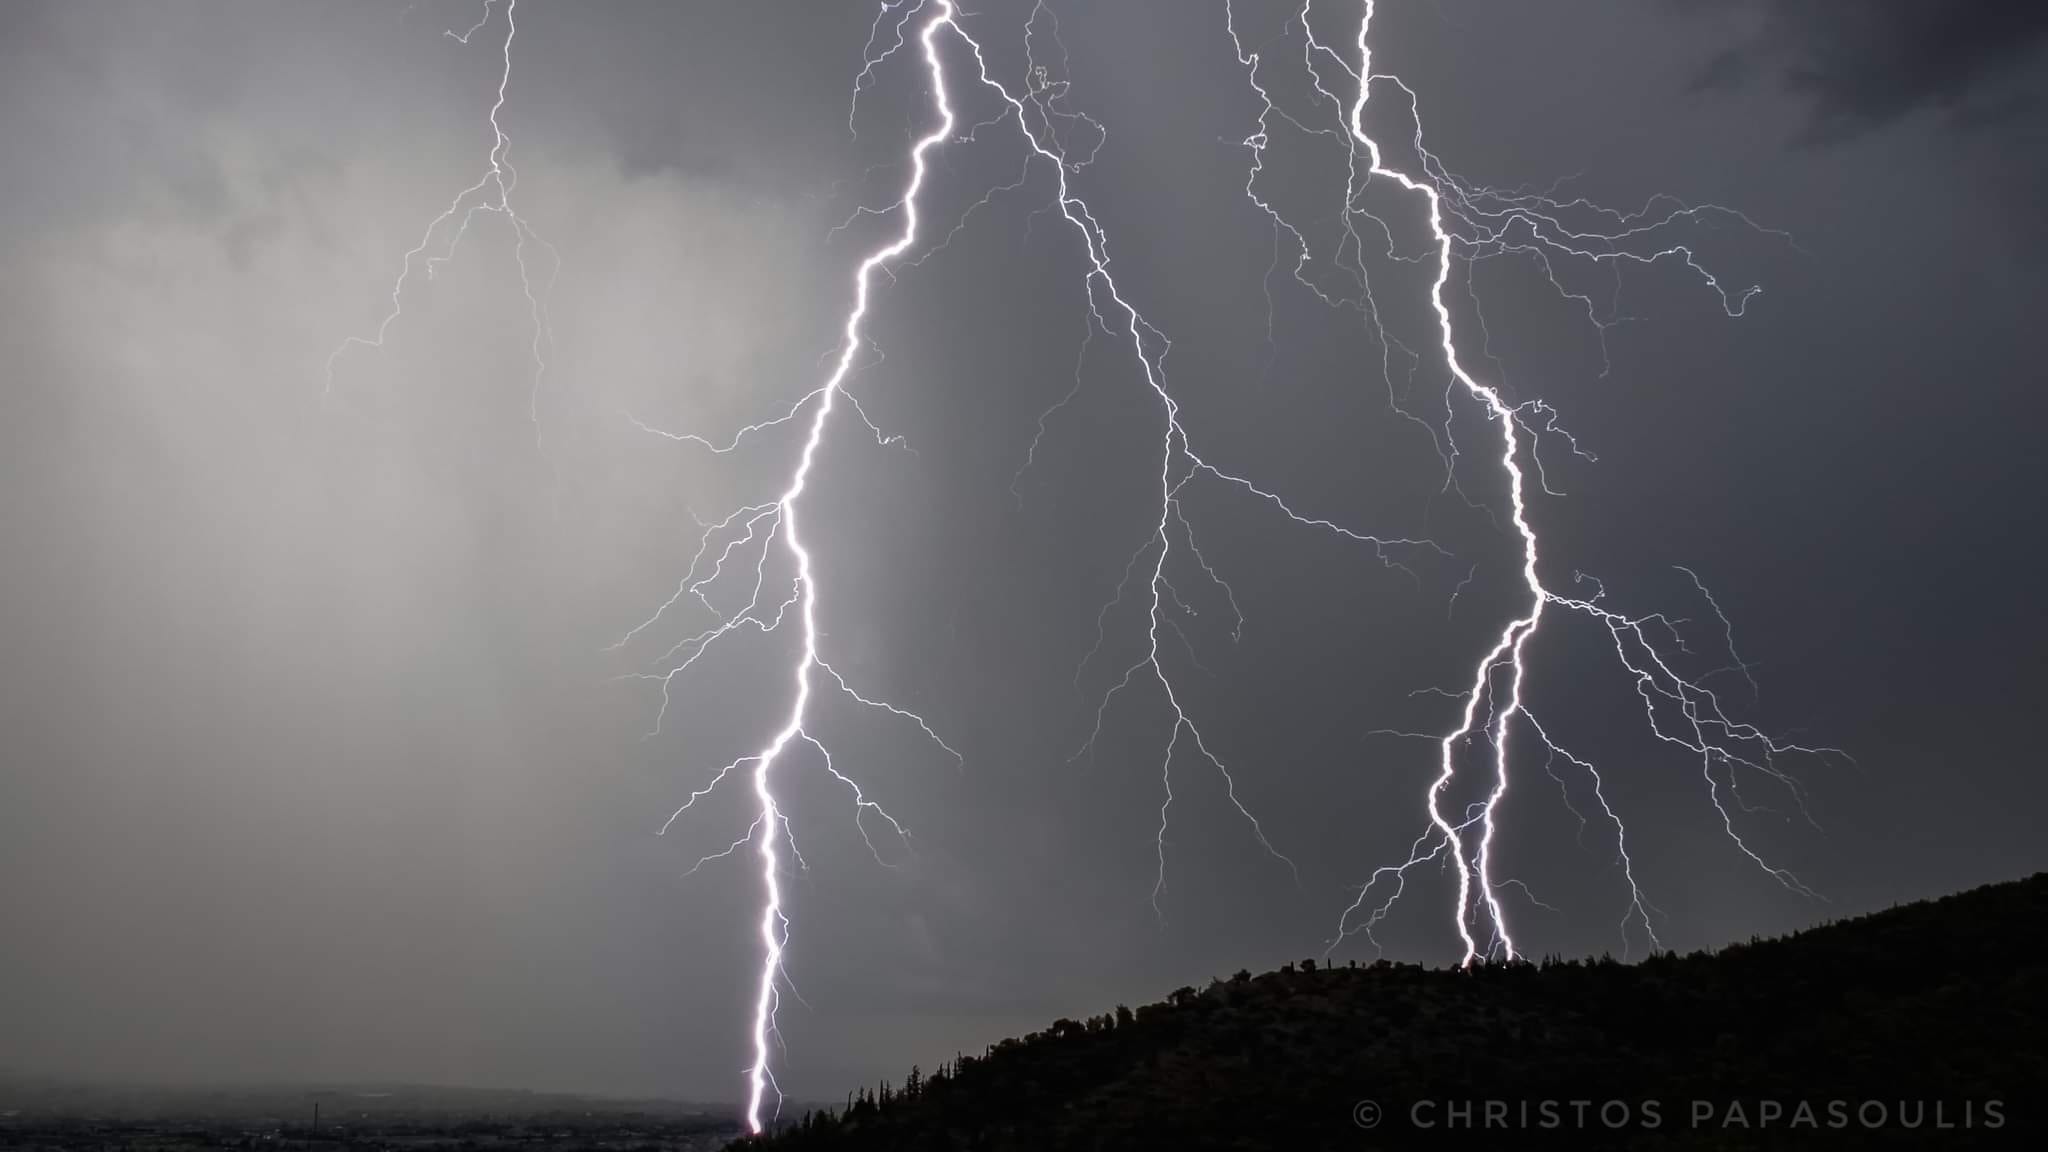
(1861, 66)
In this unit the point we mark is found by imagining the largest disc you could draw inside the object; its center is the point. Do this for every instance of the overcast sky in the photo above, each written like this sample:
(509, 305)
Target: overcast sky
(313, 761)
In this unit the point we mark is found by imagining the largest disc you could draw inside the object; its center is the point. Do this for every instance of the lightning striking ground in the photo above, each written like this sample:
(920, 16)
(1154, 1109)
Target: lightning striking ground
(1478, 223)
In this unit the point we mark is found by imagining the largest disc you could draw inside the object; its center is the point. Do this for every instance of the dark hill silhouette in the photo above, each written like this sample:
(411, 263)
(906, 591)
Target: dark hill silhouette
(1942, 1001)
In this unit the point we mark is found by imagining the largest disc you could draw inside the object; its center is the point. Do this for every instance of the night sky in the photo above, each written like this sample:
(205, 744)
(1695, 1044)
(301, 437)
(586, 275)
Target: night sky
(314, 761)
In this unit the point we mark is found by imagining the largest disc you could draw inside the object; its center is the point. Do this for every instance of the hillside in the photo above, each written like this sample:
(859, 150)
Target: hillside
(1941, 1001)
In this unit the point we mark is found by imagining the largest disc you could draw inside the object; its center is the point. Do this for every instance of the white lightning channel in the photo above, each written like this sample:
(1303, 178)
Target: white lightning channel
(1482, 223)
(754, 530)
(491, 194)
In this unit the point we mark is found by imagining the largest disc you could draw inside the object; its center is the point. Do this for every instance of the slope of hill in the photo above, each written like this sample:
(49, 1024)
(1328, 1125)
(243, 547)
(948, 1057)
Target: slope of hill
(1915, 1027)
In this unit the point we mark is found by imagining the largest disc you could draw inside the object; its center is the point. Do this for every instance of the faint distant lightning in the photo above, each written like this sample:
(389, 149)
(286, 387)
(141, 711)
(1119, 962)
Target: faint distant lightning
(500, 177)
(1049, 130)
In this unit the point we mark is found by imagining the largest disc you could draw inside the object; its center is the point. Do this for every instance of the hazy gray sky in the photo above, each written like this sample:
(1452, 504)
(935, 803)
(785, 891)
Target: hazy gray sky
(312, 759)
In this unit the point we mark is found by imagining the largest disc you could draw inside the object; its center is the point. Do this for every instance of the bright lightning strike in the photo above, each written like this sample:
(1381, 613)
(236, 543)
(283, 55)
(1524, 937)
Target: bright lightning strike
(1043, 123)
(762, 526)
(1480, 223)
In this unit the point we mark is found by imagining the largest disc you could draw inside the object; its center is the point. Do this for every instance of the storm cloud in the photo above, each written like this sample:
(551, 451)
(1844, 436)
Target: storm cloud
(1861, 66)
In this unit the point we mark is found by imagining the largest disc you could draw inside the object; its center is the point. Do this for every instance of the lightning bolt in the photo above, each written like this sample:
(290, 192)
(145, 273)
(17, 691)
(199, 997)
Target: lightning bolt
(1481, 223)
(755, 530)
(491, 194)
